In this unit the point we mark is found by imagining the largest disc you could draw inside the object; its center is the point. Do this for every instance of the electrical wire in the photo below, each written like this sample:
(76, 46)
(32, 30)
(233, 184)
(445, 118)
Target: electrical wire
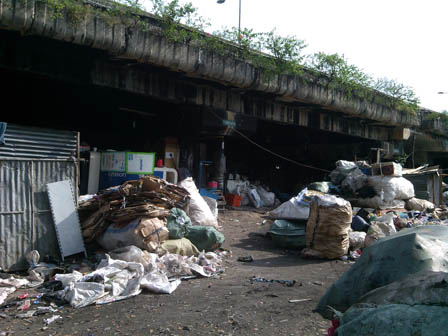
(269, 151)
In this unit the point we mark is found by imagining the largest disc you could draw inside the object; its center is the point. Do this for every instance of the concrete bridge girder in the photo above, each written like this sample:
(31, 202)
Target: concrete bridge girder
(34, 17)
(229, 99)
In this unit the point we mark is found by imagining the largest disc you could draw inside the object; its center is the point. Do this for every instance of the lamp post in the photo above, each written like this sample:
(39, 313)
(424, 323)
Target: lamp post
(239, 17)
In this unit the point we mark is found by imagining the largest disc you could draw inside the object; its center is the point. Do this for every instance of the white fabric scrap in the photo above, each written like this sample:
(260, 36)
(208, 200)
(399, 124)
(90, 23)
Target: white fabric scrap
(116, 280)
(4, 292)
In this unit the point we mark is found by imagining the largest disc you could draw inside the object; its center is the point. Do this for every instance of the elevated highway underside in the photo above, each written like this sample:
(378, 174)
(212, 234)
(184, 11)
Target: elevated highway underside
(125, 89)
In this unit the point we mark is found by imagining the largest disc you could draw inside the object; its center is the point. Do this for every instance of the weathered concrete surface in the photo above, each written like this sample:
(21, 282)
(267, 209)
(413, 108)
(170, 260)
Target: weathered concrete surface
(34, 17)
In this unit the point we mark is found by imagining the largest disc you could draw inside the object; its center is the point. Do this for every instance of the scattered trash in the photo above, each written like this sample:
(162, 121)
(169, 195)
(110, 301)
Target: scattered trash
(298, 300)
(288, 283)
(25, 305)
(246, 259)
(28, 314)
(50, 320)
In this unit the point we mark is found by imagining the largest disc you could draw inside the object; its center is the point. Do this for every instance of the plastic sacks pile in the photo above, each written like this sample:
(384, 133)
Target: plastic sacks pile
(127, 271)
(148, 213)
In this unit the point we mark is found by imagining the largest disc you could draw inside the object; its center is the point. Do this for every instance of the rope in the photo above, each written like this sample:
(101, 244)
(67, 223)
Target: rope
(269, 151)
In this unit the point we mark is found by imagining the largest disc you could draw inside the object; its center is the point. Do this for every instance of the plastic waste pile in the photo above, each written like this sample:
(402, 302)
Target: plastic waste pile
(149, 213)
(121, 274)
(253, 194)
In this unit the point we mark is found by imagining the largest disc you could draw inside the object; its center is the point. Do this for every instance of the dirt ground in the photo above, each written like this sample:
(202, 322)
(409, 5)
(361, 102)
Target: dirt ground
(229, 304)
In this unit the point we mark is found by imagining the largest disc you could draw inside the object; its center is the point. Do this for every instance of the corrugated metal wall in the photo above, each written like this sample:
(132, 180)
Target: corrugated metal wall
(25, 215)
(30, 142)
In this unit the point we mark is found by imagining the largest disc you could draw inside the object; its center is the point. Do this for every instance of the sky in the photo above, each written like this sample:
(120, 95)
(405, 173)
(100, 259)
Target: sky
(403, 40)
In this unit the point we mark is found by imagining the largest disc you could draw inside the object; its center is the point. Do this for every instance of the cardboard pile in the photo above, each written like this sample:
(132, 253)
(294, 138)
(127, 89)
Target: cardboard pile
(149, 197)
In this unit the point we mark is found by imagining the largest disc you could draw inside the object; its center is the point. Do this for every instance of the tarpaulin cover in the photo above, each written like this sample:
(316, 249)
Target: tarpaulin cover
(288, 234)
(390, 259)
(394, 320)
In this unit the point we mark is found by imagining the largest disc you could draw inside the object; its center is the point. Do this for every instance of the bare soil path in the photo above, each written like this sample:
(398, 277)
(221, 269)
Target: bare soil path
(230, 304)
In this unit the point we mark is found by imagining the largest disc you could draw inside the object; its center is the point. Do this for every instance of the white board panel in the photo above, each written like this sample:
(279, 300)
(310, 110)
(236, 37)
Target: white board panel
(65, 218)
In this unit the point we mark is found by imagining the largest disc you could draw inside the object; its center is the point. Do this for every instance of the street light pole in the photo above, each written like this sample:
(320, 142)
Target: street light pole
(239, 17)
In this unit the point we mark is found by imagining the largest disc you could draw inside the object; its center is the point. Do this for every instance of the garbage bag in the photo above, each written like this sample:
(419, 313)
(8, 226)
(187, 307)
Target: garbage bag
(131, 254)
(419, 204)
(355, 180)
(200, 213)
(296, 208)
(392, 188)
(393, 320)
(177, 223)
(359, 224)
(255, 198)
(379, 203)
(183, 247)
(380, 227)
(356, 239)
(345, 164)
(267, 198)
(205, 238)
(323, 187)
(212, 204)
(288, 234)
(390, 259)
(145, 233)
(327, 227)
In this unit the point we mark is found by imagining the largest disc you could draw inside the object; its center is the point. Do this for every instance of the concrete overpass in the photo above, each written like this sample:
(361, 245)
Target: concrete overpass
(98, 53)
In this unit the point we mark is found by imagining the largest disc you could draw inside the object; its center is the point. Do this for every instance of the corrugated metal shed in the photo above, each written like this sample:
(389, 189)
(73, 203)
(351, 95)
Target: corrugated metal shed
(426, 185)
(26, 223)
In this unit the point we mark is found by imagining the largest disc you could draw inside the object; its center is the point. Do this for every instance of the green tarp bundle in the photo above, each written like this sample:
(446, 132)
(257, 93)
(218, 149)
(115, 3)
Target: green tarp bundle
(288, 234)
(178, 223)
(205, 238)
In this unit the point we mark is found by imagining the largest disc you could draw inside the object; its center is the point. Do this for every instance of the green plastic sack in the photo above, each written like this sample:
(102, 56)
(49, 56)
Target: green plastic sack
(205, 237)
(288, 234)
(178, 224)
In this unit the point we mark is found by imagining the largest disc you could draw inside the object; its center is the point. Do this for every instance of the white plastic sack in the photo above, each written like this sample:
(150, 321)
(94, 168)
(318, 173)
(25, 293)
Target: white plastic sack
(159, 283)
(4, 292)
(82, 294)
(255, 198)
(212, 204)
(345, 164)
(355, 180)
(378, 203)
(267, 198)
(392, 188)
(200, 213)
(296, 208)
(69, 278)
(419, 204)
